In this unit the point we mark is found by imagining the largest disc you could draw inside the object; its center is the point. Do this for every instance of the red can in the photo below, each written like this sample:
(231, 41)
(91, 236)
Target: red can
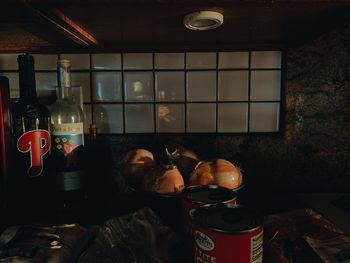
(196, 196)
(227, 233)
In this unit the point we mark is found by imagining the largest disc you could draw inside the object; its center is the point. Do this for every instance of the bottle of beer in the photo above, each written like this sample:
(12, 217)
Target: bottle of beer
(30, 124)
(67, 136)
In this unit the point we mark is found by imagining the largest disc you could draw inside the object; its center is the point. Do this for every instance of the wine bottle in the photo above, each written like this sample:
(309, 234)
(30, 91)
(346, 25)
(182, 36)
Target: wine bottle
(30, 127)
(67, 136)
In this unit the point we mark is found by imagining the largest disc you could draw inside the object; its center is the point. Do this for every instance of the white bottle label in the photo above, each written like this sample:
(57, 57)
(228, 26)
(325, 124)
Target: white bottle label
(256, 248)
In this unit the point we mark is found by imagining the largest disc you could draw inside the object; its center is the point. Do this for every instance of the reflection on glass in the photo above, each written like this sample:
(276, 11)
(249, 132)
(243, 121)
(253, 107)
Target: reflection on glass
(108, 118)
(170, 86)
(139, 118)
(106, 86)
(164, 114)
(170, 118)
(87, 117)
(138, 86)
(161, 94)
(99, 90)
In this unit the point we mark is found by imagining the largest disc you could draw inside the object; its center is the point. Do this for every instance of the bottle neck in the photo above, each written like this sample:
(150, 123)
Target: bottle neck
(64, 93)
(63, 81)
(27, 89)
(63, 75)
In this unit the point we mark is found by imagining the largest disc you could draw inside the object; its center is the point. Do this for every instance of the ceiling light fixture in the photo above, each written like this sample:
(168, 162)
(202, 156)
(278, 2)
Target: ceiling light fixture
(203, 20)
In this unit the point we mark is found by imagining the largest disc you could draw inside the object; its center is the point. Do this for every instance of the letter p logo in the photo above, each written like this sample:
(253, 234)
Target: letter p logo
(37, 143)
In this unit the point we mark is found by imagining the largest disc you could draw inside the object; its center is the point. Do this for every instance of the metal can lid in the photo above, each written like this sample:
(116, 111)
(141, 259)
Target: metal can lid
(226, 218)
(208, 194)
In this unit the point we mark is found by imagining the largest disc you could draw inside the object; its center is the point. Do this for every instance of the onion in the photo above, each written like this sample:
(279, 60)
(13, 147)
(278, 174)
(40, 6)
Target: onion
(185, 160)
(203, 174)
(164, 179)
(135, 165)
(227, 175)
(221, 172)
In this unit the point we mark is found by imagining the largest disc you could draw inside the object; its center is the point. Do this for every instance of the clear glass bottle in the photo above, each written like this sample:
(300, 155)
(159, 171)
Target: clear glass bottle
(67, 137)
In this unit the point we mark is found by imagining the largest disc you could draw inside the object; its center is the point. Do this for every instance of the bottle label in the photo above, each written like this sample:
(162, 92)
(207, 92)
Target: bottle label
(66, 139)
(37, 143)
(67, 142)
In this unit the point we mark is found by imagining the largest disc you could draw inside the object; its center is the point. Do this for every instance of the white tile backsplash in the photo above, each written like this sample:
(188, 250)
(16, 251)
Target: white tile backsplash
(233, 60)
(106, 61)
(201, 117)
(107, 86)
(8, 62)
(82, 79)
(137, 61)
(264, 117)
(108, 118)
(46, 83)
(170, 86)
(232, 117)
(139, 118)
(265, 85)
(78, 61)
(201, 60)
(13, 83)
(266, 59)
(169, 60)
(233, 85)
(181, 95)
(201, 86)
(45, 61)
(138, 86)
(170, 118)
(87, 118)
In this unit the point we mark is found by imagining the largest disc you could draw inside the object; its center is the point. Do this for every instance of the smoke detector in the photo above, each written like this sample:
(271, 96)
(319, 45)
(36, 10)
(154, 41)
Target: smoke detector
(203, 20)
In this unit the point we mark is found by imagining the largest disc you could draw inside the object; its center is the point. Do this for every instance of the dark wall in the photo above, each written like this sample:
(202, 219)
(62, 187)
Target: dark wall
(313, 151)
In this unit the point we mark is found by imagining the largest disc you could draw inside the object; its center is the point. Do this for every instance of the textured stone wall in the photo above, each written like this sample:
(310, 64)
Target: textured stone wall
(313, 151)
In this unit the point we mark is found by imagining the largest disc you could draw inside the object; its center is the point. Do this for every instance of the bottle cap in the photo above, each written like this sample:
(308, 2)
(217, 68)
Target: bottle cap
(25, 58)
(63, 62)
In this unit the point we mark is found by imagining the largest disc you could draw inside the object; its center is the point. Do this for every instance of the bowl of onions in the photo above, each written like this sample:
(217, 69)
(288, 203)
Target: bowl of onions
(159, 185)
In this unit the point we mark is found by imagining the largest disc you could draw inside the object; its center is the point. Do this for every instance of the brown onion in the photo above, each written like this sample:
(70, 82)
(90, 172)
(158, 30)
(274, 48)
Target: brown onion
(221, 172)
(164, 179)
(203, 174)
(227, 175)
(186, 163)
(135, 165)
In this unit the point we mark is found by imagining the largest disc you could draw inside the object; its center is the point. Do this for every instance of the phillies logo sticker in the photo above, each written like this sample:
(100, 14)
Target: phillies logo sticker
(37, 143)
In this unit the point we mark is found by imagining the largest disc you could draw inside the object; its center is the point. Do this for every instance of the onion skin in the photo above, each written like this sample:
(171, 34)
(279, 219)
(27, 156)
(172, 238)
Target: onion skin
(202, 174)
(186, 162)
(221, 172)
(139, 156)
(227, 175)
(135, 165)
(164, 179)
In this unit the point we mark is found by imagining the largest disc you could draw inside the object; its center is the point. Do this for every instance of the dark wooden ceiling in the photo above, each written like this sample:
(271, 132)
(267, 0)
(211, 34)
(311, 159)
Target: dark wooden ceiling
(141, 25)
